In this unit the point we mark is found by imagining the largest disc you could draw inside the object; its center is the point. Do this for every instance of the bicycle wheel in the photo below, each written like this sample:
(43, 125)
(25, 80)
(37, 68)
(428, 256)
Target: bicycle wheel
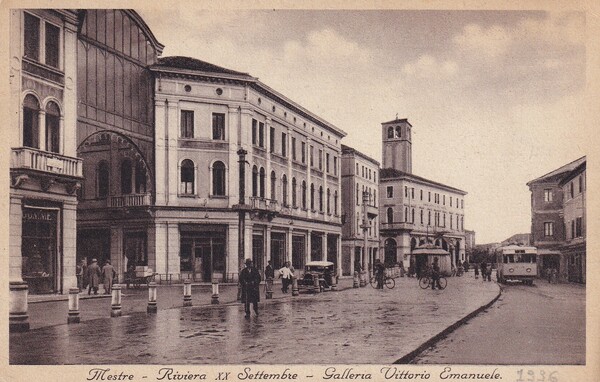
(424, 282)
(373, 282)
(390, 283)
(443, 282)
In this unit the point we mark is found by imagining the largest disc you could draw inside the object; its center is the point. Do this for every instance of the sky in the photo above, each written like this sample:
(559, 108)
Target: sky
(494, 97)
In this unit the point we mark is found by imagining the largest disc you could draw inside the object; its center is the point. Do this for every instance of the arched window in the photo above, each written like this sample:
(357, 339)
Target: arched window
(140, 179)
(254, 181)
(31, 118)
(284, 190)
(398, 132)
(335, 203)
(187, 177)
(294, 204)
(304, 194)
(320, 198)
(273, 186)
(218, 178)
(390, 215)
(52, 127)
(312, 196)
(103, 176)
(328, 201)
(262, 182)
(126, 177)
(390, 132)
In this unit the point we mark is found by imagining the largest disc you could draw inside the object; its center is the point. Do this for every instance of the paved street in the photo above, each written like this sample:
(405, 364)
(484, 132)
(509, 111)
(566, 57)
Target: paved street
(350, 326)
(544, 324)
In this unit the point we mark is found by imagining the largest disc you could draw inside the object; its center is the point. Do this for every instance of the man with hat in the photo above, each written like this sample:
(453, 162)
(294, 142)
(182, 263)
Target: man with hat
(250, 282)
(108, 274)
(93, 273)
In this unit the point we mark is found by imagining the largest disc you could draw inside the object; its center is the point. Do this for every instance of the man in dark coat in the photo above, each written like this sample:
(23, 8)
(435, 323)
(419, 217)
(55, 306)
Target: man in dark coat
(94, 273)
(250, 282)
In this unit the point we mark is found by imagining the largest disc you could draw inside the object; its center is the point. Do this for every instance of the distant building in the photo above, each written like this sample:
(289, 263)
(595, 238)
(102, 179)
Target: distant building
(469, 243)
(414, 210)
(519, 239)
(557, 207)
(360, 179)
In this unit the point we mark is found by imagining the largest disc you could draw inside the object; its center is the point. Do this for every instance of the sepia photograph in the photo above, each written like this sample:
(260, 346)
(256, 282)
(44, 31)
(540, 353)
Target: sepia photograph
(275, 191)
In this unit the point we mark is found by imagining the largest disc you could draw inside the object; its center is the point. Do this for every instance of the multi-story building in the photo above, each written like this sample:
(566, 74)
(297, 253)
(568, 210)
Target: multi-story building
(415, 211)
(115, 138)
(360, 205)
(469, 244)
(548, 232)
(44, 171)
(574, 204)
(209, 120)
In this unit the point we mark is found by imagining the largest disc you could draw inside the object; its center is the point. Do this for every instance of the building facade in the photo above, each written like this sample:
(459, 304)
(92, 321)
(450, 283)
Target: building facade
(44, 170)
(548, 228)
(360, 206)
(115, 138)
(415, 211)
(213, 124)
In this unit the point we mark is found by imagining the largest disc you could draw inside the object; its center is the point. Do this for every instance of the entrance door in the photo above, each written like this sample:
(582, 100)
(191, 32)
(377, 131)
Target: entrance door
(203, 258)
(258, 252)
(277, 249)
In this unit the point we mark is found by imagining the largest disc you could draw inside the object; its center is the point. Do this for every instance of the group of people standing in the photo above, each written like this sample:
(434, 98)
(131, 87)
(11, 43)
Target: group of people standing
(91, 276)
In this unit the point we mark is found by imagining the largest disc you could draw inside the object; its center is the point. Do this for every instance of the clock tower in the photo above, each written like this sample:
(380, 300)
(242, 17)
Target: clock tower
(397, 145)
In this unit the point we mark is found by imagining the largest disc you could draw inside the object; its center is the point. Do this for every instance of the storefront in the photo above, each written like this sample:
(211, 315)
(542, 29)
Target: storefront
(202, 252)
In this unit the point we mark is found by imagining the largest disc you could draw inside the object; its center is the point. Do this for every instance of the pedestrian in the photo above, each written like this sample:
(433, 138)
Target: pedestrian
(483, 270)
(466, 266)
(402, 271)
(108, 274)
(476, 269)
(269, 271)
(285, 274)
(435, 274)
(93, 273)
(379, 271)
(81, 270)
(250, 282)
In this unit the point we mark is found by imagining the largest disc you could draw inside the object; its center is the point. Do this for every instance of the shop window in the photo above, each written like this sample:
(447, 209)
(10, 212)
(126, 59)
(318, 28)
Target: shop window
(39, 249)
(126, 177)
(103, 176)
(218, 126)
(52, 127)
(135, 249)
(187, 178)
(31, 112)
(187, 124)
(218, 178)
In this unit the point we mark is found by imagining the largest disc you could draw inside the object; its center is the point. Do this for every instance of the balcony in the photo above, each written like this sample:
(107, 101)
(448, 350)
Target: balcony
(397, 226)
(44, 161)
(132, 200)
(262, 208)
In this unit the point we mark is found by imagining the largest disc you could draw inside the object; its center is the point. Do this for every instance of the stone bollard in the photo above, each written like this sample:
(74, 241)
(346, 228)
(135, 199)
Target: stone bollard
(187, 293)
(363, 278)
(73, 315)
(355, 281)
(18, 319)
(334, 281)
(269, 291)
(215, 292)
(152, 298)
(316, 284)
(116, 301)
(295, 290)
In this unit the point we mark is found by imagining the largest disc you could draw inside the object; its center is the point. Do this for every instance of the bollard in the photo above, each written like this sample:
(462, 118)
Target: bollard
(355, 282)
(187, 293)
(295, 290)
(269, 290)
(317, 284)
(363, 278)
(116, 301)
(334, 281)
(73, 315)
(215, 292)
(152, 298)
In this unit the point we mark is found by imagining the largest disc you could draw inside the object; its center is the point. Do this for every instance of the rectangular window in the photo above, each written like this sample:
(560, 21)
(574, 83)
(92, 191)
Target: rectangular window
(580, 184)
(421, 194)
(218, 126)
(52, 45)
(187, 124)
(254, 131)
(451, 201)
(312, 156)
(444, 200)
(462, 205)
(283, 144)
(572, 229)
(272, 140)
(547, 195)
(578, 227)
(390, 191)
(261, 134)
(293, 148)
(571, 190)
(320, 159)
(406, 191)
(327, 162)
(430, 196)
(412, 192)
(303, 153)
(32, 37)
(548, 229)
(334, 165)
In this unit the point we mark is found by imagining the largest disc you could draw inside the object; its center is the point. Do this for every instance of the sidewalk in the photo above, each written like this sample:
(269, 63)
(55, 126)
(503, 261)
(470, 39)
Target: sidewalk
(351, 326)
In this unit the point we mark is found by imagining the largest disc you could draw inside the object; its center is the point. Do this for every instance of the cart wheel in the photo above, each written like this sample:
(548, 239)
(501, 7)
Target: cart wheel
(443, 282)
(390, 283)
(424, 282)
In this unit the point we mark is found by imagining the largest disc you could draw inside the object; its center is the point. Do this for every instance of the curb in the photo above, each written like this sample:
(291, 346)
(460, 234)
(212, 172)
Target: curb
(408, 358)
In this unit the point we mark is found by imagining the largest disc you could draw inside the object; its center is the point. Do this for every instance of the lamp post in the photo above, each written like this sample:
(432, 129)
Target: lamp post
(116, 301)
(151, 298)
(215, 292)
(365, 227)
(187, 293)
(242, 208)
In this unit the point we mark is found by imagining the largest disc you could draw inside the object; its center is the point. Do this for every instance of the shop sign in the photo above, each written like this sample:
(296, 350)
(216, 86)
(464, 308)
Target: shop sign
(39, 215)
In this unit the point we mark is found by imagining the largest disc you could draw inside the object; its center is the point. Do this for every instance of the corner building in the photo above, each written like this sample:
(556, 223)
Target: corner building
(414, 210)
(291, 205)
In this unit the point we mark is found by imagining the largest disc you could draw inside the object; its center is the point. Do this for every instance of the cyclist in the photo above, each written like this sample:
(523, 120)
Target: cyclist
(379, 272)
(435, 274)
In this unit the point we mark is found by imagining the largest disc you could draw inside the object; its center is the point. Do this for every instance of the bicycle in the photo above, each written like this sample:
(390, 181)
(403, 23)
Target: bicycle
(389, 282)
(426, 281)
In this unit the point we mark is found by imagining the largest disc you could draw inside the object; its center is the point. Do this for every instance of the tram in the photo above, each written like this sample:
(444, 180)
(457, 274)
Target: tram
(516, 262)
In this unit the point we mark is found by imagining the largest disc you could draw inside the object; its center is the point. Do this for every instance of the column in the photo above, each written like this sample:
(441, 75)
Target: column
(339, 255)
(232, 133)
(324, 247)
(42, 128)
(68, 130)
(308, 245)
(268, 165)
(308, 182)
(232, 250)
(268, 243)
(160, 114)
(69, 227)
(18, 317)
(172, 163)
(288, 243)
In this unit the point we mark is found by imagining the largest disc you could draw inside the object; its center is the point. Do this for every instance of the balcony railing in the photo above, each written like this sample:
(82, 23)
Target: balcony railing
(397, 226)
(34, 159)
(259, 203)
(132, 200)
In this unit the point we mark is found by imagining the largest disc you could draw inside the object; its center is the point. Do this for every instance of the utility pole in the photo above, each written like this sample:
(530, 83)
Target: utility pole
(365, 227)
(242, 207)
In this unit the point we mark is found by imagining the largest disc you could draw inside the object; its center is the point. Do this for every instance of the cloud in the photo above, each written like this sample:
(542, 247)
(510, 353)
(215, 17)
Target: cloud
(491, 42)
(427, 66)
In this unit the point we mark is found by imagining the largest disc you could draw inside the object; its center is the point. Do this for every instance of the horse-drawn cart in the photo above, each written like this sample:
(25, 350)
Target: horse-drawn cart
(138, 276)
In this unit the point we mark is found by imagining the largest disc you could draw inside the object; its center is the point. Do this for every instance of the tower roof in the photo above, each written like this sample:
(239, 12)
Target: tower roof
(397, 120)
